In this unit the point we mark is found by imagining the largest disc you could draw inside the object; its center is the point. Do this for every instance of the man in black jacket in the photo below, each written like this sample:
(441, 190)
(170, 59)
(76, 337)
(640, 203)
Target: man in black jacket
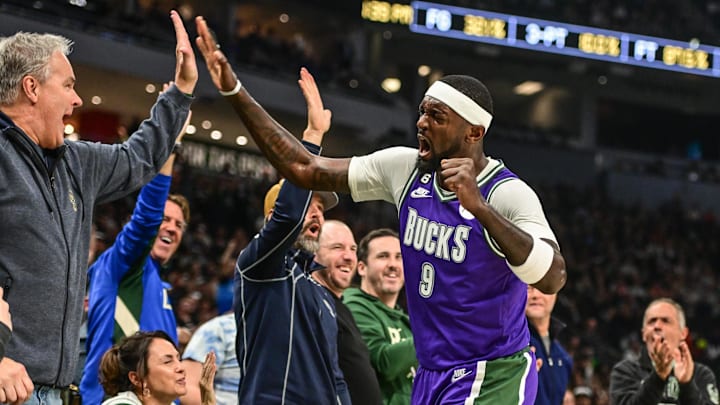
(338, 254)
(665, 372)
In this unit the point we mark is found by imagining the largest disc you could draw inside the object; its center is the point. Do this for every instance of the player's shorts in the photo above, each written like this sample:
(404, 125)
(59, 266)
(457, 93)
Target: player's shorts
(507, 380)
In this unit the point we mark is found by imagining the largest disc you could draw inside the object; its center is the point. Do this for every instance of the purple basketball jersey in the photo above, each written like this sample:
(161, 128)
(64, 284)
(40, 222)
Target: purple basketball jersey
(465, 303)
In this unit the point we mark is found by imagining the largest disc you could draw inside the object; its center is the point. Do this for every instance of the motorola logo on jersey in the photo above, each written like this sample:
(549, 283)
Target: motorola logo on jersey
(443, 241)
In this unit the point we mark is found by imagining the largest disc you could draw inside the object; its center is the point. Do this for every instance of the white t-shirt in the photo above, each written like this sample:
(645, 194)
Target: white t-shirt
(218, 335)
(383, 175)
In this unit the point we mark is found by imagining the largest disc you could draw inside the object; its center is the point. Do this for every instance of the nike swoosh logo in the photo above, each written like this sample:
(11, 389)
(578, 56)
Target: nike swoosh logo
(420, 193)
(463, 375)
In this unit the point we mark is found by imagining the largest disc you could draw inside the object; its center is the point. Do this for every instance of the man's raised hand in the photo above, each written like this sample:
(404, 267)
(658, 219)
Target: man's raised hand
(318, 117)
(186, 72)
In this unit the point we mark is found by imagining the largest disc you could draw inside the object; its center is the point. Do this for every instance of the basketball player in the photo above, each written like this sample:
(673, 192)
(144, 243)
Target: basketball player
(473, 234)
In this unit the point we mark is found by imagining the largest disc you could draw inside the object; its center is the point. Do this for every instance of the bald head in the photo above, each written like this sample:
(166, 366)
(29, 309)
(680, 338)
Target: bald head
(338, 253)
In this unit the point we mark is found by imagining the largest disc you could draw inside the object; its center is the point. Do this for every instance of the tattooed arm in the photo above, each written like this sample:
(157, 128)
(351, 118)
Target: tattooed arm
(280, 147)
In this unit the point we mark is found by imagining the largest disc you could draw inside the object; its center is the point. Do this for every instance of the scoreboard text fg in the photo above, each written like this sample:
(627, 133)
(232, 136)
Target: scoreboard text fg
(564, 39)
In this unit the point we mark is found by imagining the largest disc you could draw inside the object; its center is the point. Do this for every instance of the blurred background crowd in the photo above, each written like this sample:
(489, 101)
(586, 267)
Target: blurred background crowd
(635, 207)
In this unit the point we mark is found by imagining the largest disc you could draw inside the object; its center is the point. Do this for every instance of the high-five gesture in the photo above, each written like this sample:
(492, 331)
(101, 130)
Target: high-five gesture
(186, 72)
(455, 113)
(318, 117)
(220, 70)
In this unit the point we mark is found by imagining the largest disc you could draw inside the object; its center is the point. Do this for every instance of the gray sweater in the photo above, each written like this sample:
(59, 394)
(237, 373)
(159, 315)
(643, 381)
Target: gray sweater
(5, 335)
(47, 200)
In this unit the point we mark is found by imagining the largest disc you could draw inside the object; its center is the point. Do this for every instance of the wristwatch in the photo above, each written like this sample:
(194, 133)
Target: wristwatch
(177, 148)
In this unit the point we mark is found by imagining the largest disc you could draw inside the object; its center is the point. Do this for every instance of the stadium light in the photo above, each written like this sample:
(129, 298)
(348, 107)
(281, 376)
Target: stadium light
(391, 84)
(528, 88)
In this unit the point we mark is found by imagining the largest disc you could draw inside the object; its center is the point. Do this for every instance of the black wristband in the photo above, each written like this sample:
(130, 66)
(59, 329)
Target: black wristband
(177, 148)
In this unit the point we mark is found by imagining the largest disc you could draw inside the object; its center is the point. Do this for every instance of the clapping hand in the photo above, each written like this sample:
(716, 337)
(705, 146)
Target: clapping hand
(207, 379)
(684, 364)
(662, 355)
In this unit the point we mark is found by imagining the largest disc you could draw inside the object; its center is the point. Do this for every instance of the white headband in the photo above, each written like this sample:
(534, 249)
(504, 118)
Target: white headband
(460, 103)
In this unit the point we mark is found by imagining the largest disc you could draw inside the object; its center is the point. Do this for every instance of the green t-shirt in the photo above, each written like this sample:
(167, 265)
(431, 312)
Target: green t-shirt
(387, 333)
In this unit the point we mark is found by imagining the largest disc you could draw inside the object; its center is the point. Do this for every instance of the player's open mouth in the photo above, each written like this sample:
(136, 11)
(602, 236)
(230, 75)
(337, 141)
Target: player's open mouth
(166, 239)
(424, 147)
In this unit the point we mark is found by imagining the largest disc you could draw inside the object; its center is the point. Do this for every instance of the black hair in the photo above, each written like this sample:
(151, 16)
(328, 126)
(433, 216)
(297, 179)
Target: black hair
(363, 246)
(471, 87)
(130, 354)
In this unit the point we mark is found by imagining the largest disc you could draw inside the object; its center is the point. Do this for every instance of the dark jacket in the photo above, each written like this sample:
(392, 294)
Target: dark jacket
(286, 322)
(556, 370)
(635, 382)
(47, 199)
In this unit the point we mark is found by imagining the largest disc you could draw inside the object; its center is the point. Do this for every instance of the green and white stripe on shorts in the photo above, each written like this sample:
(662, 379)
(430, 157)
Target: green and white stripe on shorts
(507, 380)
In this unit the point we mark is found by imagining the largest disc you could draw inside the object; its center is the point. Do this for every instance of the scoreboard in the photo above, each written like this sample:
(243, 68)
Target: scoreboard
(560, 38)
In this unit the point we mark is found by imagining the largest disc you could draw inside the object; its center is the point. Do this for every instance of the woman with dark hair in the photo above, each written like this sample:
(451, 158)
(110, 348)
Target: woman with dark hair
(145, 369)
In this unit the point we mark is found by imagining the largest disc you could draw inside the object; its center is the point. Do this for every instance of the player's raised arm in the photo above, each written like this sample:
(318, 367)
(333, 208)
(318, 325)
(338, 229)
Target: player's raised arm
(281, 148)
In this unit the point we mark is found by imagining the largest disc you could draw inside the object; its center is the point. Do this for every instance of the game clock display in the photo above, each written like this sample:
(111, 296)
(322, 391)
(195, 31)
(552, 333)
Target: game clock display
(565, 39)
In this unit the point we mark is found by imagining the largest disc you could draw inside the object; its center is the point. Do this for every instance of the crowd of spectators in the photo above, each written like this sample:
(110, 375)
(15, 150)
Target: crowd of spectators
(259, 46)
(663, 18)
(669, 168)
(250, 42)
(619, 259)
(333, 55)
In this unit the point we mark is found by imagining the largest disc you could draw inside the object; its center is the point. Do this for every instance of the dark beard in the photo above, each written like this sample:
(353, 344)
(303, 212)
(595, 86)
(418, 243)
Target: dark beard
(427, 166)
